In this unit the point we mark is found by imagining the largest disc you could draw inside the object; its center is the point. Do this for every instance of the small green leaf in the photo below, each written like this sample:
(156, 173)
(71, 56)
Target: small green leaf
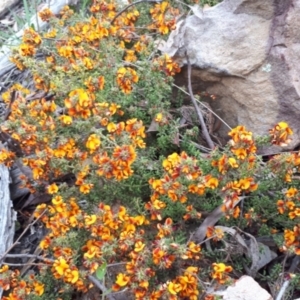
(101, 271)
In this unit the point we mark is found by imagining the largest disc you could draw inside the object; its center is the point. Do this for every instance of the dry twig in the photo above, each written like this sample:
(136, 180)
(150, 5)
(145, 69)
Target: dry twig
(198, 111)
(21, 235)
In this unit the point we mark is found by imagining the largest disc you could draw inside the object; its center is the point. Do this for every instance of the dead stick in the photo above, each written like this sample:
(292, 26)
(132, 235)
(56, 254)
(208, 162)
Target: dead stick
(25, 230)
(198, 111)
(45, 259)
(212, 219)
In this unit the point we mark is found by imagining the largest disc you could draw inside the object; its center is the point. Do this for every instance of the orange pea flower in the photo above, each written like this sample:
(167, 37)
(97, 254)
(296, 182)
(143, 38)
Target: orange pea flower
(122, 279)
(139, 246)
(52, 189)
(93, 143)
(174, 288)
(60, 265)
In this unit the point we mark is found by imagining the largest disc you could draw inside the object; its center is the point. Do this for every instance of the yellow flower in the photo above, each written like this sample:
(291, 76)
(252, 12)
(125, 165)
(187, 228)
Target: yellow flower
(89, 220)
(93, 143)
(122, 279)
(67, 120)
(52, 189)
(92, 251)
(212, 183)
(26, 50)
(88, 63)
(37, 173)
(194, 247)
(244, 184)
(159, 117)
(71, 276)
(240, 153)
(4, 269)
(60, 265)
(139, 246)
(171, 162)
(221, 268)
(46, 14)
(140, 220)
(174, 288)
(86, 188)
(193, 270)
(111, 127)
(38, 288)
(291, 192)
(57, 200)
(232, 162)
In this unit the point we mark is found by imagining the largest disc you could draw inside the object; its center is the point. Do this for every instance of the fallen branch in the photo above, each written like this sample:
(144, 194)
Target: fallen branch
(30, 256)
(202, 104)
(198, 111)
(212, 219)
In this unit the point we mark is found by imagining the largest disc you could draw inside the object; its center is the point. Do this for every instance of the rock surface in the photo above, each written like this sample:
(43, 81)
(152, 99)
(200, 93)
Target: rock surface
(246, 288)
(247, 53)
(7, 215)
(5, 5)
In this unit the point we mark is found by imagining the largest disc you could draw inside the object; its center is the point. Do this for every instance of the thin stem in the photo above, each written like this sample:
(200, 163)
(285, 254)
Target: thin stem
(30, 256)
(202, 104)
(199, 113)
(36, 16)
(128, 6)
(24, 264)
(116, 264)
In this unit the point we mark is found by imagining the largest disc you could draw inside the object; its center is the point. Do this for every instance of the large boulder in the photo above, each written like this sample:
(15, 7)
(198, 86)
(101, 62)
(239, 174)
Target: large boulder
(247, 54)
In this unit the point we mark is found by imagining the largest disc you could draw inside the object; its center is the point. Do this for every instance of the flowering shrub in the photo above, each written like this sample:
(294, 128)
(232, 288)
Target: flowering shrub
(120, 221)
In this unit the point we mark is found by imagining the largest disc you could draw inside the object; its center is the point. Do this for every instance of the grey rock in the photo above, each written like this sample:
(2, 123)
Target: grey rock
(247, 53)
(246, 288)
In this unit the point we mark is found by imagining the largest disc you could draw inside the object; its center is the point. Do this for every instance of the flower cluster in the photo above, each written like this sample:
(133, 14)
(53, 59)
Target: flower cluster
(220, 271)
(167, 65)
(292, 240)
(182, 176)
(280, 134)
(290, 204)
(232, 167)
(81, 139)
(125, 78)
(185, 286)
(113, 234)
(242, 143)
(164, 17)
(12, 280)
(7, 157)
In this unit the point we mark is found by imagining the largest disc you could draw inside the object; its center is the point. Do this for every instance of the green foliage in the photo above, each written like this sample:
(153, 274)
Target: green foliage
(125, 195)
(210, 2)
